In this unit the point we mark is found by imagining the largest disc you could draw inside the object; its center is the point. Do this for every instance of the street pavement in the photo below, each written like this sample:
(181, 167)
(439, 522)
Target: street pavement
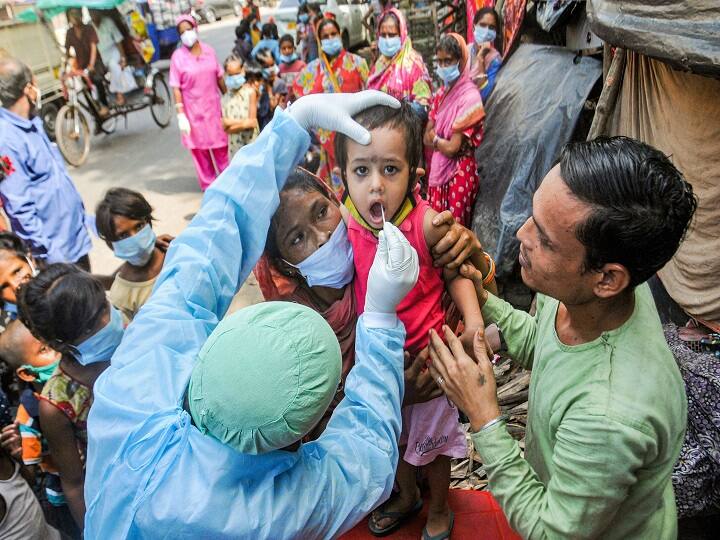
(151, 160)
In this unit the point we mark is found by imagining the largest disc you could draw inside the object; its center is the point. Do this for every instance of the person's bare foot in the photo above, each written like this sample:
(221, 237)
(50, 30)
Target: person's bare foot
(104, 112)
(400, 503)
(438, 522)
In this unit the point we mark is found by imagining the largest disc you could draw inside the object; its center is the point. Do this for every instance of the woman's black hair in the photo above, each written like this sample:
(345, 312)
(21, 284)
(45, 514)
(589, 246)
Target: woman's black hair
(120, 202)
(324, 22)
(269, 31)
(304, 181)
(61, 305)
(449, 45)
(253, 71)
(14, 244)
(498, 30)
(288, 38)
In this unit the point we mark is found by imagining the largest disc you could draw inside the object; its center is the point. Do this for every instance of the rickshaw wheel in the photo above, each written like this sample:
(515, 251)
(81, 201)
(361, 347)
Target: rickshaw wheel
(72, 135)
(161, 107)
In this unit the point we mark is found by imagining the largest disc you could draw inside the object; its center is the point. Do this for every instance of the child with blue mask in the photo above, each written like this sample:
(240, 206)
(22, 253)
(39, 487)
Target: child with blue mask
(17, 266)
(67, 309)
(239, 104)
(124, 221)
(290, 63)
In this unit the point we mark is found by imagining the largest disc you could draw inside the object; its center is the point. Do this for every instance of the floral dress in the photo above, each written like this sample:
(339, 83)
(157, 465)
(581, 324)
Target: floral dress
(236, 106)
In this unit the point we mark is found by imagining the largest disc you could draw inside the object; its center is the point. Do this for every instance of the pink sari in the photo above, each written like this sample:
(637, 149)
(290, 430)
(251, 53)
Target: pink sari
(404, 76)
(460, 109)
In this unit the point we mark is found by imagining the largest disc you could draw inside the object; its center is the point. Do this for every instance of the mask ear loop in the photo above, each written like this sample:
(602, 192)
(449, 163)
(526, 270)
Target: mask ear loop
(33, 269)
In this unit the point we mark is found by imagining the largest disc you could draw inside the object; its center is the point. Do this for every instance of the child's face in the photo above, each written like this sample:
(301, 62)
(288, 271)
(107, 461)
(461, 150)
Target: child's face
(14, 271)
(305, 221)
(287, 48)
(378, 174)
(233, 68)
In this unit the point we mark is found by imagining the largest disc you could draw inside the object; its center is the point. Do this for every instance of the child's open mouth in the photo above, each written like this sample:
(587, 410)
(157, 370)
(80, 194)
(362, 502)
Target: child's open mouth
(377, 212)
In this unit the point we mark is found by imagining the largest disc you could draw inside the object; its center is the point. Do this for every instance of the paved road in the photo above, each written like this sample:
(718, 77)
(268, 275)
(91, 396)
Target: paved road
(151, 160)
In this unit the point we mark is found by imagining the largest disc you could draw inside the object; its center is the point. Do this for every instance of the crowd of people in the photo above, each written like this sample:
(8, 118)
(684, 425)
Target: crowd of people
(138, 404)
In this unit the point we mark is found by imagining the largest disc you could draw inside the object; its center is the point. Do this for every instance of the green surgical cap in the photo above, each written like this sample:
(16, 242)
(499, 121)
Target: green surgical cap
(265, 377)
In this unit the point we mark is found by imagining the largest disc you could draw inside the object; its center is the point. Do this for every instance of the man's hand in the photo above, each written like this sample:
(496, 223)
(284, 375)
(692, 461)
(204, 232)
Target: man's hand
(473, 274)
(334, 112)
(458, 245)
(419, 384)
(11, 442)
(469, 385)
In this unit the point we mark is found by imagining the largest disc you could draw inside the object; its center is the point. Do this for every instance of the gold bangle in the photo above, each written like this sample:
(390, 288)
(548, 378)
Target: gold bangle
(491, 273)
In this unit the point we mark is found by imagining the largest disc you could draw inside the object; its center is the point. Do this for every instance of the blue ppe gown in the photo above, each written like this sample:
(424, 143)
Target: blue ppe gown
(151, 473)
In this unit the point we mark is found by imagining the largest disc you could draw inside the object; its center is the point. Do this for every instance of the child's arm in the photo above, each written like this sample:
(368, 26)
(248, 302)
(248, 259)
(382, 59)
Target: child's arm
(462, 290)
(234, 126)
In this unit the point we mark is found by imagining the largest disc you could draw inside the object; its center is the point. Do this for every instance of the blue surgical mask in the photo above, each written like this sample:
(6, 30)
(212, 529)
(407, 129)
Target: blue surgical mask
(42, 374)
(288, 59)
(234, 82)
(332, 264)
(332, 46)
(136, 249)
(304, 17)
(484, 34)
(389, 46)
(11, 309)
(101, 346)
(448, 74)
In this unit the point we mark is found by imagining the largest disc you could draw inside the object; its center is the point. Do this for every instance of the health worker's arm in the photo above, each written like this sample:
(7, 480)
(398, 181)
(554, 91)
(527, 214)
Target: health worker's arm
(353, 463)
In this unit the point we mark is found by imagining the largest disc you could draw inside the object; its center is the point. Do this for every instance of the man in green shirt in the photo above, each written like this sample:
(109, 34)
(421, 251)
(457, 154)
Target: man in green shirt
(607, 406)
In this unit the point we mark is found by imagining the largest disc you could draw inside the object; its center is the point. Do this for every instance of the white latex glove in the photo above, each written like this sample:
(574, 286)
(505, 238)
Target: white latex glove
(183, 123)
(334, 111)
(392, 274)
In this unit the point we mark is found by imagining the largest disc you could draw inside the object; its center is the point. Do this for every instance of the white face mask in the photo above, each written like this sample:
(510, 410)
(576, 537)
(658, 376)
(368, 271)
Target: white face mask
(189, 38)
(332, 264)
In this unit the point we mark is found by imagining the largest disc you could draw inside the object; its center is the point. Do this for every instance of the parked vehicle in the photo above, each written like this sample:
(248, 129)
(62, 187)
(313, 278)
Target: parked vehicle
(348, 13)
(209, 11)
(35, 44)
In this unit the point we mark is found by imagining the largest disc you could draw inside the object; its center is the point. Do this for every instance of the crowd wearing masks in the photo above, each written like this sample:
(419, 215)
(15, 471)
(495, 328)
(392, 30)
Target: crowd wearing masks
(137, 405)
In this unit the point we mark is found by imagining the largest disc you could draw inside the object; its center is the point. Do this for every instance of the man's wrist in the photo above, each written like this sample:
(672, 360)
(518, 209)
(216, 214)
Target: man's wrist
(481, 419)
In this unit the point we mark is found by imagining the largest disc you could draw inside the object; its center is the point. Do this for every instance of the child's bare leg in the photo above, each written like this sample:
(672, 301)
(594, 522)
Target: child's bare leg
(438, 475)
(407, 495)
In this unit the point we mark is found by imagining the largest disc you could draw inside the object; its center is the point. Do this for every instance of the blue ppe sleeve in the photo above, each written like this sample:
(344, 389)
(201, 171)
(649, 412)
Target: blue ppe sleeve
(152, 474)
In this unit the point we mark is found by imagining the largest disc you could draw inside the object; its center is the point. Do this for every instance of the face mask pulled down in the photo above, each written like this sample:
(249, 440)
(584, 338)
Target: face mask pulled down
(332, 264)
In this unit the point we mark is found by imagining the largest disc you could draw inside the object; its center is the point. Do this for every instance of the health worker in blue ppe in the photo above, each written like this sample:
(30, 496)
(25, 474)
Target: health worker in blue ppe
(196, 425)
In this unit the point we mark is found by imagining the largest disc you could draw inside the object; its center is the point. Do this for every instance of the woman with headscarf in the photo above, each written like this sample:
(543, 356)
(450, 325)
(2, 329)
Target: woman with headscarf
(485, 59)
(197, 81)
(334, 71)
(399, 70)
(454, 130)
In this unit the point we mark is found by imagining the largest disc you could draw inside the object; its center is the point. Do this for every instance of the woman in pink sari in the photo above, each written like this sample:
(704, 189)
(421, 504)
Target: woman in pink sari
(399, 70)
(454, 131)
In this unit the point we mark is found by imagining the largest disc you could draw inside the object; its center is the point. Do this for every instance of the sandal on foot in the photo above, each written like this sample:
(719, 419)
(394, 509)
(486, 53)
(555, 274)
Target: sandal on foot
(399, 519)
(443, 535)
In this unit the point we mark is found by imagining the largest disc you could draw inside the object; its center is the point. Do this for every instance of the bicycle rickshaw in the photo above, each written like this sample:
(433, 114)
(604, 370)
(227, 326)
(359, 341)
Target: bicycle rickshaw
(72, 131)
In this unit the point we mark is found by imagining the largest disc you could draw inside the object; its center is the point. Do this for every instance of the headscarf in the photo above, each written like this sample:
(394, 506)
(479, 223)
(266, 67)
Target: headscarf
(404, 76)
(186, 18)
(460, 108)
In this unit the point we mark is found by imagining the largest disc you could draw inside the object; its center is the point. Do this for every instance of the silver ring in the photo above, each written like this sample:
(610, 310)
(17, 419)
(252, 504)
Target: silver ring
(440, 380)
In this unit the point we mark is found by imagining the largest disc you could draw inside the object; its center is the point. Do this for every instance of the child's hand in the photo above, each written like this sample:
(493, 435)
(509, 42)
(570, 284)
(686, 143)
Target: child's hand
(10, 441)
(473, 274)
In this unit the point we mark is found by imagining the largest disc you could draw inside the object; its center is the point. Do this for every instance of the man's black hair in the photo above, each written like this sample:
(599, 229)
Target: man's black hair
(641, 205)
(304, 181)
(381, 116)
(11, 242)
(14, 77)
(61, 306)
(120, 202)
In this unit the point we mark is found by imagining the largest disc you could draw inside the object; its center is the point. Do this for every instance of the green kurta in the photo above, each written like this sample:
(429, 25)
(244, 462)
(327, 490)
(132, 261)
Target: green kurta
(606, 421)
